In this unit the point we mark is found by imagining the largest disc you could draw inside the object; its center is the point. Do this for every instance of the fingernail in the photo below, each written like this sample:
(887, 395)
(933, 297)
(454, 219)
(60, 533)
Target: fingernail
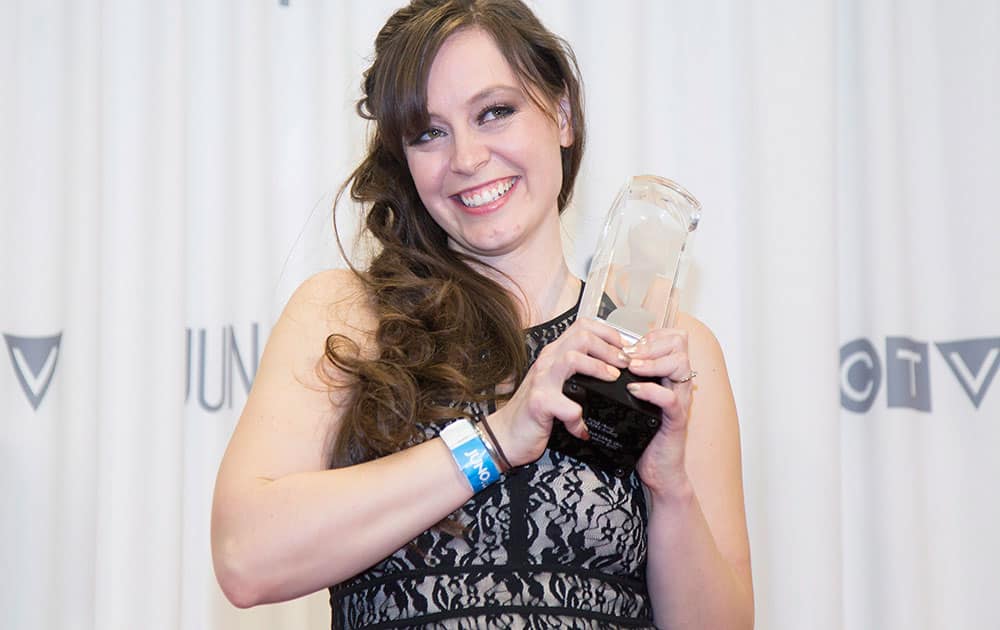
(623, 357)
(635, 347)
(613, 371)
(632, 388)
(636, 363)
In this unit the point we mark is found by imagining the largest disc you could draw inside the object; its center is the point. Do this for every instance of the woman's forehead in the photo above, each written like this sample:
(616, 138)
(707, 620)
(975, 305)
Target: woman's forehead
(468, 65)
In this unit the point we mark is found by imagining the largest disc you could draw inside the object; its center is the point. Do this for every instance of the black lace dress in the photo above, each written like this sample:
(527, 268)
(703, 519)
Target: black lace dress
(555, 544)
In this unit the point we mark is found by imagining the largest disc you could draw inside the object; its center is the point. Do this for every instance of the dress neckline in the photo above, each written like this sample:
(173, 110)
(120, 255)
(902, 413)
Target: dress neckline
(567, 314)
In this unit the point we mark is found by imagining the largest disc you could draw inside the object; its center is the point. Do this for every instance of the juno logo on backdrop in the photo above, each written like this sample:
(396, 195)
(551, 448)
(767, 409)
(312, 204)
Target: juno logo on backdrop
(34, 361)
(220, 361)
(972, 362)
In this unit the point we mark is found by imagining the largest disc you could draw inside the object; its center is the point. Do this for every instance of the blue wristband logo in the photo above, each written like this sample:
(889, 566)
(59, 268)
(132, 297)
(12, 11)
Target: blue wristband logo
(470, 454)
(479, 467)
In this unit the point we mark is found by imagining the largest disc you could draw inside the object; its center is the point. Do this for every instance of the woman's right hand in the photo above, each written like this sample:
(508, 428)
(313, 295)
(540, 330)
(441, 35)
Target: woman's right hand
(523, 424)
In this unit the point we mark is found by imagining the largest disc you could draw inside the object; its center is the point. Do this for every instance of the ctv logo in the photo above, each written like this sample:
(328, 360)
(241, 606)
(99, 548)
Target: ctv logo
(34, 360)
(973, 362)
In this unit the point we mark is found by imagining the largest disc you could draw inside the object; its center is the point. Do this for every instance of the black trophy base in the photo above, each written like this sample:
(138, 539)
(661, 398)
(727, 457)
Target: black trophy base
(620, 425)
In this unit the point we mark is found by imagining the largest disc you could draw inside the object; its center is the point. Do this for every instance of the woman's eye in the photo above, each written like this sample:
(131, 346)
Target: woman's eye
(495, 112)
(427, 136)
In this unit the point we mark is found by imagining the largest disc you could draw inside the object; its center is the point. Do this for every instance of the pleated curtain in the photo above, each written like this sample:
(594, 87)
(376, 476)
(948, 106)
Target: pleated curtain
(167, 175)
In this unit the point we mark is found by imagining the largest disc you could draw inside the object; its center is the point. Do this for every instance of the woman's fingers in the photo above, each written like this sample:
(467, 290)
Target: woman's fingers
(661, 353)
(543, 403)
(589, 348)
(659, 342)
(672, 401)
(602, 342)
(579, 363)
(675, 367)
(571, 415)
(608, 333)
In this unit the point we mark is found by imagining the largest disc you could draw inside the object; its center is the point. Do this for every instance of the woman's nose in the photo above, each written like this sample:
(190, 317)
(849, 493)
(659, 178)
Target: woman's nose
(469, 152)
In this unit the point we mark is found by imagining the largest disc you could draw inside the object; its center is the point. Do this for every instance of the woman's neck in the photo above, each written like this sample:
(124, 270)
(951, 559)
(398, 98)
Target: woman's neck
(556, 293)
(536, 275)
(541, 289)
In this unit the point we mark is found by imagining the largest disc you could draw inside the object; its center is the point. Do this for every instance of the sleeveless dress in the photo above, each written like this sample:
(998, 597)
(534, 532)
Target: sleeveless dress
(554, 544)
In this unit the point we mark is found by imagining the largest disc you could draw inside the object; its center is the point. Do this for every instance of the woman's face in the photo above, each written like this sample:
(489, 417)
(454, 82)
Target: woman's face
(488, 168)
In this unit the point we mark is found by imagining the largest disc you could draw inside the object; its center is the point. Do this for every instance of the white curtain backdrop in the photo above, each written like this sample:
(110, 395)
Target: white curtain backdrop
(167, 170)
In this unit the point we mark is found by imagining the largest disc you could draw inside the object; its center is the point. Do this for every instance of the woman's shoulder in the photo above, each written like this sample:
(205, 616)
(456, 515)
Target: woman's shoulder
(331, 286)
(704, 348)
(698, 331)
(334, 301)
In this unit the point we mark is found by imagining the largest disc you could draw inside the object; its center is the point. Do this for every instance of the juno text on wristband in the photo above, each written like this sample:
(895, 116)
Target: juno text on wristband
(471, 454)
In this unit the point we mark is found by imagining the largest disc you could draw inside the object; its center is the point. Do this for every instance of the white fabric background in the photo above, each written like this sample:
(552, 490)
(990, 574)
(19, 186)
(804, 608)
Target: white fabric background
(166, 176)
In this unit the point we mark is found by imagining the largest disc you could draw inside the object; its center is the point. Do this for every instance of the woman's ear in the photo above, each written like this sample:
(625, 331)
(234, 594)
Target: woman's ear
(565, 123)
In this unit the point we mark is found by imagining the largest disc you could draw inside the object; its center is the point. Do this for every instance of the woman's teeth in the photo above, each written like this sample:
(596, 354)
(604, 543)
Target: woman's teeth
(488, 195)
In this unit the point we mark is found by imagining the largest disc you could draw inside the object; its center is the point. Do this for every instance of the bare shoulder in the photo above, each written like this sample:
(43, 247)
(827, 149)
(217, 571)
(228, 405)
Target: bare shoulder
(331, 302)
(703, 346)
(713, 409)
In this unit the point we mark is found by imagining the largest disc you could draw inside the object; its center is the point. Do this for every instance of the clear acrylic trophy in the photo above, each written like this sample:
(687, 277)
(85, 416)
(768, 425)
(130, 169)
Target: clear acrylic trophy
(635, 281)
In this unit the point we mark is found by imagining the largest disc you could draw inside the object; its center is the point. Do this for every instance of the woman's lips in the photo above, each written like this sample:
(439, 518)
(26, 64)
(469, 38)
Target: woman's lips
(488, 197)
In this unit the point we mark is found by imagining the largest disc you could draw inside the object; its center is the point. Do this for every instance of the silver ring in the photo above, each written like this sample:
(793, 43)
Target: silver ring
(687, 378)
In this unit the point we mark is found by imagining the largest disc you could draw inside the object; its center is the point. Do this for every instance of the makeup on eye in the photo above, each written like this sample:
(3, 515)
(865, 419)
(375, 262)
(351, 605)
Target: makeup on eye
(488, 114)
(495, 111)
(426, 136)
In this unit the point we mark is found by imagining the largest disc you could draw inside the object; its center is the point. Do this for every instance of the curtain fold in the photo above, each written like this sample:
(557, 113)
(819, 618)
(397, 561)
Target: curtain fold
(167, 174)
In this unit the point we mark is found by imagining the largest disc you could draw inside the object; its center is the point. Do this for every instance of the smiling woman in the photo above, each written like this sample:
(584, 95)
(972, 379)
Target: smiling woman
(488, 169)
(393, 447)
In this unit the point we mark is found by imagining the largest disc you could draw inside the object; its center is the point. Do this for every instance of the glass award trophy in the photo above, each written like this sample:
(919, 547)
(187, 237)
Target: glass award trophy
(635, 282)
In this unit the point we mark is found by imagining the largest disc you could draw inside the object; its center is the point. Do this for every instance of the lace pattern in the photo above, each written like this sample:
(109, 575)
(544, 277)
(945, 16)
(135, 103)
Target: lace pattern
(555, 544)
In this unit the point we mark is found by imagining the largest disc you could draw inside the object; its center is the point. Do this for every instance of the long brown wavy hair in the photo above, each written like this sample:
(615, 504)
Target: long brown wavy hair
(445, 332)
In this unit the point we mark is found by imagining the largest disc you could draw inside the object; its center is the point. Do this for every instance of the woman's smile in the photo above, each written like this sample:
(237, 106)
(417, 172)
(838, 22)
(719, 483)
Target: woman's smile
(488, 197)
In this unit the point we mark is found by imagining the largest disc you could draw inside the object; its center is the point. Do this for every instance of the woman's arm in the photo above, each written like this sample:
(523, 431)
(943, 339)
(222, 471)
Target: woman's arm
(282, 524)
(699, 558)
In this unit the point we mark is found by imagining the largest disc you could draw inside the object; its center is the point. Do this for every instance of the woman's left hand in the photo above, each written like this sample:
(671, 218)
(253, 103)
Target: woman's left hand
(664, 353)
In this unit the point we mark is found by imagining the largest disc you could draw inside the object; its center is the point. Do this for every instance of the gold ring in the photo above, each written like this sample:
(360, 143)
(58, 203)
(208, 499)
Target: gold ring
(687, 378)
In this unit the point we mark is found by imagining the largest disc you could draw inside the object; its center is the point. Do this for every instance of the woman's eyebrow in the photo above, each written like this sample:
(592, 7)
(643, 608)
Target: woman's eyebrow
(491, 91)
(487, 93)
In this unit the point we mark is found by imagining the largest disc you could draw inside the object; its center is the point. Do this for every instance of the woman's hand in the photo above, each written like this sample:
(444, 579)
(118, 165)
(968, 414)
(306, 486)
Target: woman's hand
(524, 423)
(664, 353)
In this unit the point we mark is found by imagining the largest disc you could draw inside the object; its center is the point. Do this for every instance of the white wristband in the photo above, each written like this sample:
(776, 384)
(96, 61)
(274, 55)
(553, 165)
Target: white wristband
(471, 454)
